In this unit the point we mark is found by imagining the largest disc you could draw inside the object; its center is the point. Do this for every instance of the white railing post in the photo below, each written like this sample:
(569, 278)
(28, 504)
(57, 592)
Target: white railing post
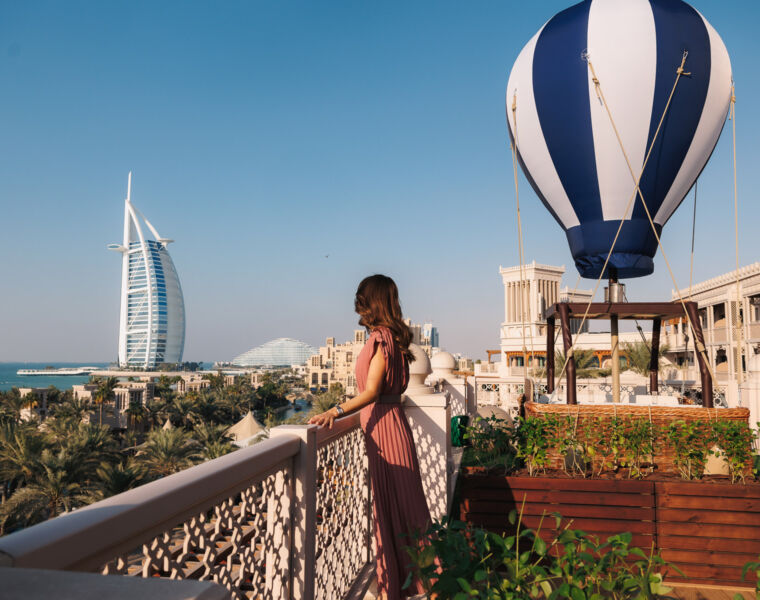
(429, 416)
(304, 512)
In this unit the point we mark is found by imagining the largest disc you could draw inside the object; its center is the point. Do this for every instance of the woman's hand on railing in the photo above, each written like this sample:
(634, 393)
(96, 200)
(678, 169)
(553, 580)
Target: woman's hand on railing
(325, 419)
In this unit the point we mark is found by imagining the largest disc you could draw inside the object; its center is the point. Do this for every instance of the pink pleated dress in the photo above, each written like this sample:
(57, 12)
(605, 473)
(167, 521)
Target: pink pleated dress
(398, 501)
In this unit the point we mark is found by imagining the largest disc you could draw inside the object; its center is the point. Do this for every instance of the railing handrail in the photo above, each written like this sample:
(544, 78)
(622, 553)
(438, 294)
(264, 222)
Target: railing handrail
(340, 427)
(85, 539)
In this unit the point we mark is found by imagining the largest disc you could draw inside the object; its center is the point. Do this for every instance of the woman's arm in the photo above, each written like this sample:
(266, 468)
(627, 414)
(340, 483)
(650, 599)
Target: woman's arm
(370, 394)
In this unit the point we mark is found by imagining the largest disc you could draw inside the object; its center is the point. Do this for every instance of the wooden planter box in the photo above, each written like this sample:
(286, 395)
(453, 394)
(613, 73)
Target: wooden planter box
(709, 530)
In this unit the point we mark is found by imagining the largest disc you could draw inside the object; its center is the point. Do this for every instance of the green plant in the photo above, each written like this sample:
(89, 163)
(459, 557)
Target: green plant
(639, 356)
(735, 440)
(491, 444)
(577, 443)
(532, 564)
(609, 449)
(534, 437)
(691, 442)
(638, 445)
(751, 566)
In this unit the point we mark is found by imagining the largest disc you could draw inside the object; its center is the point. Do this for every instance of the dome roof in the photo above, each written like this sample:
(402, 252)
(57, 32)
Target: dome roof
(443, 361)
(421, 364)
(282, 352)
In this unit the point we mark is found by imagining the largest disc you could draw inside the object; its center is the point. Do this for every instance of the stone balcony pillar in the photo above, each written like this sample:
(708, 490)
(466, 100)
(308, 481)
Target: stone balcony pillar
(429, 416)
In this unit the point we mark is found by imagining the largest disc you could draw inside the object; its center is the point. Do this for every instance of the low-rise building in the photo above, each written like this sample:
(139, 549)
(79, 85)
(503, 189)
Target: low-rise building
(192, 382)
(335, 363)
(37, 403)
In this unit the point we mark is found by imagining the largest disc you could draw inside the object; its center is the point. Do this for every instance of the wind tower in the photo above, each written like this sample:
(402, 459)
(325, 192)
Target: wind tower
(152, 315)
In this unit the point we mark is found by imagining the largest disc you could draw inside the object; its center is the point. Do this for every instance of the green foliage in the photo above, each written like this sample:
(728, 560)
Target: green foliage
(491, 444)
(576, 443)
(639, 356)
(609, 450)
(595, 445)
(168, 451)
(571, 564)
(535, 437)
(639, 445)
(65, 462)
(751, 566)
(584, 363)
(691, 442)
(735, 440)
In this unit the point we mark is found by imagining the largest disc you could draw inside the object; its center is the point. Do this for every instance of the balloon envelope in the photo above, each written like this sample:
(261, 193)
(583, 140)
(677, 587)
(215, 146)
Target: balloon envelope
(565, 141)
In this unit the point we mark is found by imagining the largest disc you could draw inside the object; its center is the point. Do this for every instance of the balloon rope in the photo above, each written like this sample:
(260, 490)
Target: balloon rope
(513, 145)
(691, 279)
(737, 308)
(693, 232)
(600, 95)
(680, 71)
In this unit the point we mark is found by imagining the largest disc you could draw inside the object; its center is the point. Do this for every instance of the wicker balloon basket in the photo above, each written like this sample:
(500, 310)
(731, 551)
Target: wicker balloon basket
(579, 414)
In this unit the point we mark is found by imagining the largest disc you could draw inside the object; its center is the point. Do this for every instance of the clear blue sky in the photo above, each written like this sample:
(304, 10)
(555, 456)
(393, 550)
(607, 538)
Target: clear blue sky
(266, 135)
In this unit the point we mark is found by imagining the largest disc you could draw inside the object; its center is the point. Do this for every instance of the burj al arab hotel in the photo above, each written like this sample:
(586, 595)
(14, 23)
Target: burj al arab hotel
(152, 318)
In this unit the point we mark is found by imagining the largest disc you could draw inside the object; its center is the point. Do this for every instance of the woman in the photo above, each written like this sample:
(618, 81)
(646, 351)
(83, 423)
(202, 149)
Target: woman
(382, 373)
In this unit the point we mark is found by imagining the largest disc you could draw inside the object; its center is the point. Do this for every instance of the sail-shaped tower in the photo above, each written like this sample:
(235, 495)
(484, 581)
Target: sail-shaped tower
(152, 317)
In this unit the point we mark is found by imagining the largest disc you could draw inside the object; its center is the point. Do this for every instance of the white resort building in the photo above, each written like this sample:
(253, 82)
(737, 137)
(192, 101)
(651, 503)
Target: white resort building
(500, 382)
(152, 317)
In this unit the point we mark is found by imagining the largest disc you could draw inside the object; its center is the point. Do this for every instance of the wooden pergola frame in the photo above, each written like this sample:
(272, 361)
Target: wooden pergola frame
(654, 311)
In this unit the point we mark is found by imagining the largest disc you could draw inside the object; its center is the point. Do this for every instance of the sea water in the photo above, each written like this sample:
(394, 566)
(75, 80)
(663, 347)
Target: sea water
(9, 379)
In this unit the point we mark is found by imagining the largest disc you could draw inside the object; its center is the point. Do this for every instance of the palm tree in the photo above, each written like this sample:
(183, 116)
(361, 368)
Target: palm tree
(53, 491)
(584, 366)
(104, 393)
(20, 449)
(155, 413)
(168, 451)
(116, 478)
(135, 413)
(74, 409)
(216, 449)
(639, 356)
(216, 381)
(87, 447)
(183, 410)
(12, 404)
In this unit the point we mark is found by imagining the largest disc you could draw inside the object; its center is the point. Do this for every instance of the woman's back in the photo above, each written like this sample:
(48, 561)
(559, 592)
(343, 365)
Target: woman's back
(396, 375)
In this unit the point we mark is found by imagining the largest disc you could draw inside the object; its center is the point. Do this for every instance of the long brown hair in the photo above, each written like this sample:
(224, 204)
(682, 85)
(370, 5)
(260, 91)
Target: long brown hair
(377, 305)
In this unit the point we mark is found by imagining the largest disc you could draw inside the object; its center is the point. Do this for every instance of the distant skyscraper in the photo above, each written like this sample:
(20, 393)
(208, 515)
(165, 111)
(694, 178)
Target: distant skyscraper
(430, 335)
(152, 318)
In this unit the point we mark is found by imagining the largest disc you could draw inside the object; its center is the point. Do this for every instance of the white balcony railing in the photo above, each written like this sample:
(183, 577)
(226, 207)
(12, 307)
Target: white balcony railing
(289, 517)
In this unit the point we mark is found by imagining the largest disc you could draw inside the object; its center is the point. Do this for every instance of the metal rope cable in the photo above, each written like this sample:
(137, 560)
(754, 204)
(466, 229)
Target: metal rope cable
(513, 146)
(737, 308)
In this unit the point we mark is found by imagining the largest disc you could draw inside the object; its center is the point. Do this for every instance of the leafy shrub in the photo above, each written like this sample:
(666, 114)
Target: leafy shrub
(735, 439)
(691, 442)
(491, 444)
(484, 565)
(639, 445)
(535, 437)
(751, 566)
(610, 448)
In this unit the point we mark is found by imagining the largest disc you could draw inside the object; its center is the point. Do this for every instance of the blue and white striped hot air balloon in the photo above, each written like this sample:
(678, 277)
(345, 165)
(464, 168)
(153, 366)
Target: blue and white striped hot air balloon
(566, 144)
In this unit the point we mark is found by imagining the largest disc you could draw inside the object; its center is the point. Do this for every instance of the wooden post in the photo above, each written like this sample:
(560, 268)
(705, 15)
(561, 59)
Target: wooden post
(699, 345)
(614, 339)
(654, 358)
(550, 354)
(564, 319)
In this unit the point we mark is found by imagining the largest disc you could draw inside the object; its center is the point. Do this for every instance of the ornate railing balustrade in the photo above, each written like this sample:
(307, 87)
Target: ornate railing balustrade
(289, 517)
